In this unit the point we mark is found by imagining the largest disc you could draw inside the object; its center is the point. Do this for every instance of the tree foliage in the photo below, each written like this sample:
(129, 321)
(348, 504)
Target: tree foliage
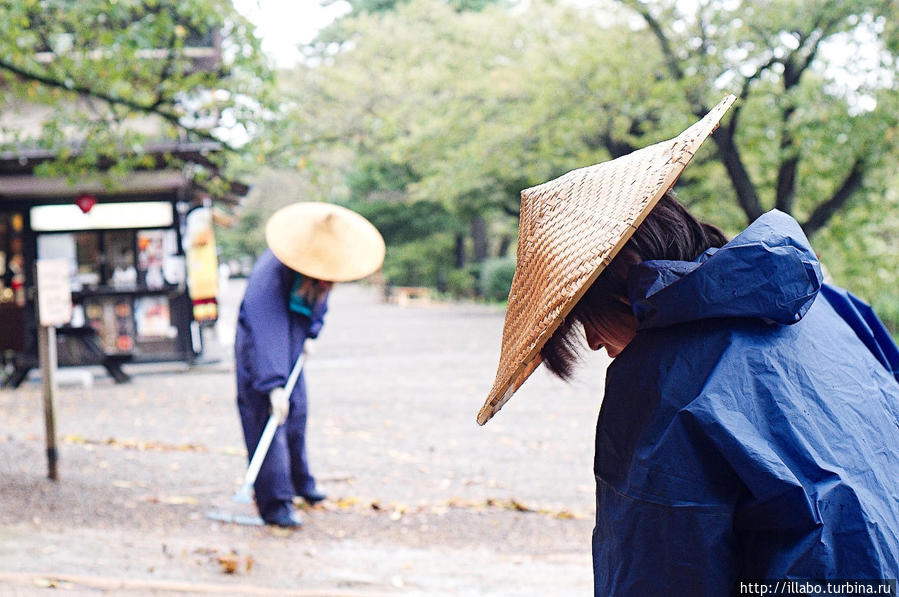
(424, 103)
(107, 76)
(818, 109)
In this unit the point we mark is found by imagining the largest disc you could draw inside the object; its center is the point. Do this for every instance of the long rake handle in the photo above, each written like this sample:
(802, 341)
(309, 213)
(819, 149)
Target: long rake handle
(265, 441)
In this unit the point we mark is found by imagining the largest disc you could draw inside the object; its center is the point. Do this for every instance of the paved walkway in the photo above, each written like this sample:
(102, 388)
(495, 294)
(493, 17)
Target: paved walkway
(423, 501)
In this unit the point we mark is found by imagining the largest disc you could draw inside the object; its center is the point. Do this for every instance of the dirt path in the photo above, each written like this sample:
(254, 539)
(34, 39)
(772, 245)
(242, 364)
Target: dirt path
(422, 500)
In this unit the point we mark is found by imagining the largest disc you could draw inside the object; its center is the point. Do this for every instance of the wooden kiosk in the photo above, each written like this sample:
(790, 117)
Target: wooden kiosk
(141, 256)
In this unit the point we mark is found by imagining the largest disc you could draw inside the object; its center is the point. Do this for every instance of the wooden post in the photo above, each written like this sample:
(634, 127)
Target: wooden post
(54, 307)
(47, 350)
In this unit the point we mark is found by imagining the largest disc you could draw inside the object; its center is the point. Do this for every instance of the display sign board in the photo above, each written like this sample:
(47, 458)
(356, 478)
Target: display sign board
(54, 295)
(102, 216)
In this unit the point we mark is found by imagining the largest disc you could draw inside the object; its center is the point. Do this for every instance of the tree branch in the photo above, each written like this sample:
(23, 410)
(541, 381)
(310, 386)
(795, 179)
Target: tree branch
(785, 192)
(656, 28)
(795, 66)
(800, 63)
(812, 53)
(165, 72)
(786, 173)
(747, 197)
(737, 108)
(762, 34)
(692, 94)
(703, 35)
(112, 100)
(823, 211)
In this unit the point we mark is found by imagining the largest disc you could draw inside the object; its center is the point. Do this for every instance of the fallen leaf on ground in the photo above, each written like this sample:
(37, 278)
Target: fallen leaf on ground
(511, 504)
(233, 451)
(44, 583)
(565, 515)
(347, 502)
(174, 500)
(229, 563)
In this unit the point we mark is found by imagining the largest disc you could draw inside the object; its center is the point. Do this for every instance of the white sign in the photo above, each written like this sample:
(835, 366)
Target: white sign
(54, 295)
(102, 216)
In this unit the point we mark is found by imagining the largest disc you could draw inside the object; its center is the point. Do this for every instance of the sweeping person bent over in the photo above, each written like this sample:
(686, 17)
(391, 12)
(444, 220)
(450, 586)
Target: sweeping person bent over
(310, 247)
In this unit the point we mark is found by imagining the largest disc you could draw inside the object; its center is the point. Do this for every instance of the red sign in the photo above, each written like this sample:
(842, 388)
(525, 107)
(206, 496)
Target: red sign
(85, 202)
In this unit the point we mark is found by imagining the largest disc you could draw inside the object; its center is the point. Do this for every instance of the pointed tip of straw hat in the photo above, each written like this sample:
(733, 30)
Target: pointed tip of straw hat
(493, 404)
(496, 401)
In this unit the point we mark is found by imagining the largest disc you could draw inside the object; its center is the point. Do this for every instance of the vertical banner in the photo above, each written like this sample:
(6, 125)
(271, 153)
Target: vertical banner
(202, 264)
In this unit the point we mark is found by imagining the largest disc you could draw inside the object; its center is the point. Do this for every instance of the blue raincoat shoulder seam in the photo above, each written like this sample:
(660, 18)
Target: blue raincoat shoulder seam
(722, 510)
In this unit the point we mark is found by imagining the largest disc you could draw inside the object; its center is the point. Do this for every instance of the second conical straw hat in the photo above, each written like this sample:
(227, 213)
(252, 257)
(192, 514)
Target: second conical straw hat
(325, 241)
(570, 230)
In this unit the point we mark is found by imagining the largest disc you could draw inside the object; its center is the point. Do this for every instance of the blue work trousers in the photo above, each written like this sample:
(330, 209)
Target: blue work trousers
(285, 470)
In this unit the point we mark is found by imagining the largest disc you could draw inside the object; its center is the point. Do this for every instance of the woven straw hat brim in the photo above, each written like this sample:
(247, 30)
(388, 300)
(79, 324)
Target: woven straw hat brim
(325, 241)
(570, 230)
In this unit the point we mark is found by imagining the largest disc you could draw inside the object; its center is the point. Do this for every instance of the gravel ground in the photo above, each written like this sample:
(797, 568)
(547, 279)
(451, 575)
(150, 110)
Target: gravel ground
(422, 500)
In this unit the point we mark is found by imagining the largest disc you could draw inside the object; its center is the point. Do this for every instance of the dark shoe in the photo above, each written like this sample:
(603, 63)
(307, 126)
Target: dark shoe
(313, 497)
(287, 521)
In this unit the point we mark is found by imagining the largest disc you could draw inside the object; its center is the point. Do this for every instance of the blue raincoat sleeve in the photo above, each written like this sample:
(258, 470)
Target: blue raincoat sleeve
(866, 325)
(265, 320)
(645, 548)
(269, 334)
(317, 320)
(665, 501)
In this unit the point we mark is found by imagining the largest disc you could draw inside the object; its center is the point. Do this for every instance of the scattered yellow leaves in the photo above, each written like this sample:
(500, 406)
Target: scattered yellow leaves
(51, 583)
(134, 444)
(229, 562)
(348, 502)
(45, 583)
(173, 500)
(510, 504)
(396, 511)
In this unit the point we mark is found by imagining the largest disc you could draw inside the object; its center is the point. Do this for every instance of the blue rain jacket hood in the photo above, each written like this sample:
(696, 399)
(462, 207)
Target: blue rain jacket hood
(751, 428)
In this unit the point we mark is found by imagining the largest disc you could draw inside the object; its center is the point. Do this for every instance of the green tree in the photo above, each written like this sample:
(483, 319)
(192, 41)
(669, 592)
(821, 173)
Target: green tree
(106, 76)
(814, 133)
(476, 106)
(818, 107)
(395, 78)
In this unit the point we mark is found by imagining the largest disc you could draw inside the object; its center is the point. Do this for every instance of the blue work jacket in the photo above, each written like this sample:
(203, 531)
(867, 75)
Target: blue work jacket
(270, 335)
(751, 428)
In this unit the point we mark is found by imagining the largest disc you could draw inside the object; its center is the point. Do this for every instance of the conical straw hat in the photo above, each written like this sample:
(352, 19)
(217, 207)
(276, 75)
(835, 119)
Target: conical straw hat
(325, 241)
(570, 230)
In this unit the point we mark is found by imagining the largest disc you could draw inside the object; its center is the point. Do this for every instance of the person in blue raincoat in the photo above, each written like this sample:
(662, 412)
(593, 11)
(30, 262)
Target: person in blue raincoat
(310, 246)
(749, 429)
